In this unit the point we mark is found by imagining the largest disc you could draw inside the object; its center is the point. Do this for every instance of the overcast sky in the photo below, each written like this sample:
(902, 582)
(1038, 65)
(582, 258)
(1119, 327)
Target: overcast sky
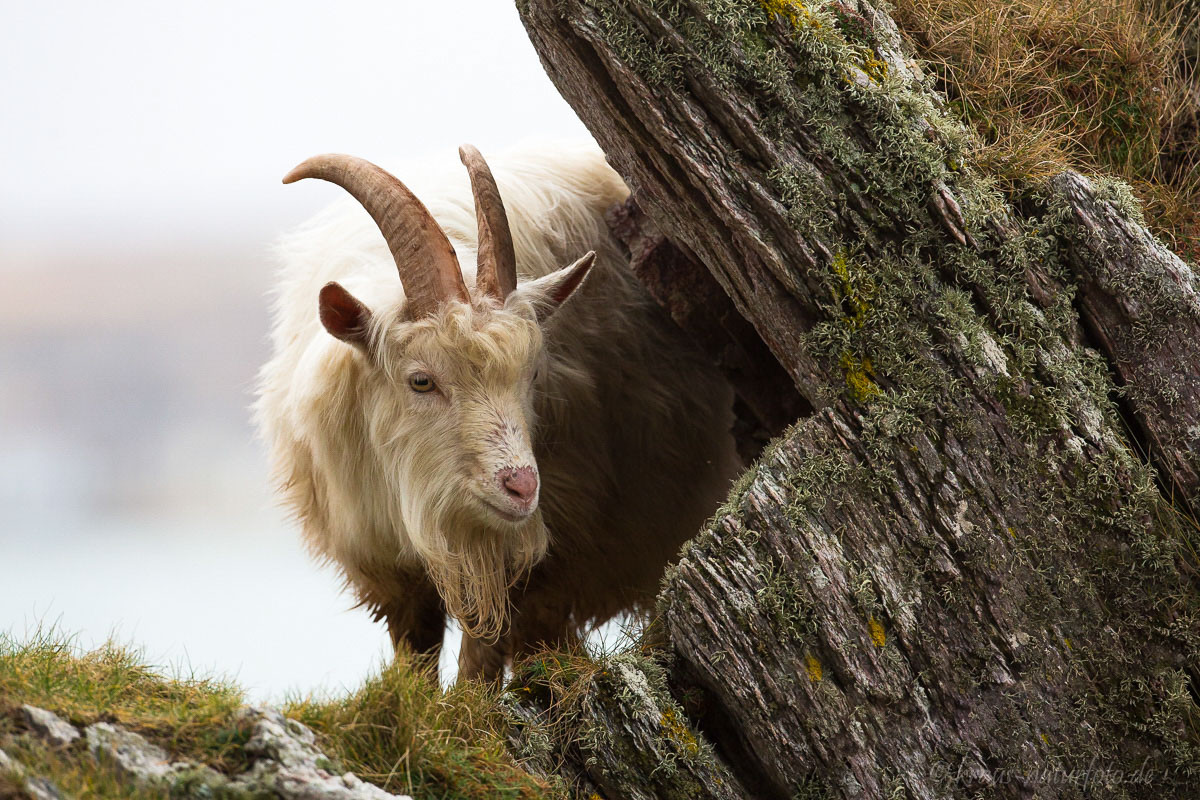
(130, 116)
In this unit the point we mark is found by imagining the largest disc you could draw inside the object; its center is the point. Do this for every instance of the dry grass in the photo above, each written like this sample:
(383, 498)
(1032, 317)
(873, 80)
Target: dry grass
(1102, 86)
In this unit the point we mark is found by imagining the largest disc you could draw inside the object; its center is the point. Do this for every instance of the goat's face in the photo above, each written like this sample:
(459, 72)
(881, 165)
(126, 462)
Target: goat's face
(448, 398)
(462, 383)
(454, 434)
(451, 417)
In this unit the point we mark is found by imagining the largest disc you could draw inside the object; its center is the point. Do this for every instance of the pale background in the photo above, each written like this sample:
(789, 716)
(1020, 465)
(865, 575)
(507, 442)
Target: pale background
(142, 146)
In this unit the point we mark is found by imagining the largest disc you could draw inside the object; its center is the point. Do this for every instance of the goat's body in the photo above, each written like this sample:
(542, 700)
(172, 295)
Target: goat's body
(633, 425)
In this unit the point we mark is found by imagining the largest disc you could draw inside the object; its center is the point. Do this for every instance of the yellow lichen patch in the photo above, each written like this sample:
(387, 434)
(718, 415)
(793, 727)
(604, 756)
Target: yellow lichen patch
(793, 11)
(814, 669)
(860, 378)
(878, 635)
(866, 69)
(874, 66)
(1067, 642)
(847, 292)
(678, 732)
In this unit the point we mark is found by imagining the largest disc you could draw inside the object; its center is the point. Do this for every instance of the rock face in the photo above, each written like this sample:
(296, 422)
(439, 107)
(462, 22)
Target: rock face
(285, 762)
(966, 570)
(288, 761)
(131, 753)
(50, 726)
(613, 730)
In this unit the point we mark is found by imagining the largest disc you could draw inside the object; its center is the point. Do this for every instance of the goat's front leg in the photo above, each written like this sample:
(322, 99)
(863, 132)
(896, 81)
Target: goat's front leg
(417, 618)
(536, 625)
(478, 660)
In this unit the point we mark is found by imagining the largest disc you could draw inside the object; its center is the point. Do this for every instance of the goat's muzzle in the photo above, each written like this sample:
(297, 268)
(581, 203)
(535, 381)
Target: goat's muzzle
(519, 488)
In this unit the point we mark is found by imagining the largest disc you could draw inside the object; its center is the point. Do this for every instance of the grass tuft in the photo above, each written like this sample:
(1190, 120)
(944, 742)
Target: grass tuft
(401, 732)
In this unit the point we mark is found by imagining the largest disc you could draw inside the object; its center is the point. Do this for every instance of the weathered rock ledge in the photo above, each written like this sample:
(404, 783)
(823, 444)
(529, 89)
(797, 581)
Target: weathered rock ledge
(285, 762)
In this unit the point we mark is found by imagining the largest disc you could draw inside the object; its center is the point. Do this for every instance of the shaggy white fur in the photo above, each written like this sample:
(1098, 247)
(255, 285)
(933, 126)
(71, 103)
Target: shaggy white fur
(626, 425)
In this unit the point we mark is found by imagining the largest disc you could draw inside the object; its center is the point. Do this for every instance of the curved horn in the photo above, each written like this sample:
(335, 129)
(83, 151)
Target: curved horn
(424, 258)
(497, 271)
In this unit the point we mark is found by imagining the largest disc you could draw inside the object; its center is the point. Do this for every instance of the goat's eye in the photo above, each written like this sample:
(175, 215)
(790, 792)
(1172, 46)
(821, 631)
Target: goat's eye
(420, 382)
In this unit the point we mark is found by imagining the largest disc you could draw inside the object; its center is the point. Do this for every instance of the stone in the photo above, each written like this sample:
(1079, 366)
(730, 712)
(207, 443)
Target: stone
(129, 752)
(50, 726)
(278, 738)
(286, 763)
(42, 789)
(290, 763)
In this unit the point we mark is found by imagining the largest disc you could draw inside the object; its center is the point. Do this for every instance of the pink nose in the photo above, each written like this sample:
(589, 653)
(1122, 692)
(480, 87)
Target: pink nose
(521, 484)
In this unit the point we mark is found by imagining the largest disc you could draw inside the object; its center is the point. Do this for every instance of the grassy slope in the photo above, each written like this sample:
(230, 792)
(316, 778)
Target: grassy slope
(398, 731)
(1101, 86)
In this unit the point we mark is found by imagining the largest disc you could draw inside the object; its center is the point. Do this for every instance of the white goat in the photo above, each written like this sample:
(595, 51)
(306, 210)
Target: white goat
(459, 440)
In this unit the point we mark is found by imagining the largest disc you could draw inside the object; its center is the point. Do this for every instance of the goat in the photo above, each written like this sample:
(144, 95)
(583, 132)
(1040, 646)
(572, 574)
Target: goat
(519, 445)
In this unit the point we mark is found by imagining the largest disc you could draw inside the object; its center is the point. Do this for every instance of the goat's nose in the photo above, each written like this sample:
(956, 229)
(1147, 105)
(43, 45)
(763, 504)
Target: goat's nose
(520, 484)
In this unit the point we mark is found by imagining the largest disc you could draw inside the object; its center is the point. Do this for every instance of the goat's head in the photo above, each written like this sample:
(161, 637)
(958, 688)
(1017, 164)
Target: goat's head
(448, 408)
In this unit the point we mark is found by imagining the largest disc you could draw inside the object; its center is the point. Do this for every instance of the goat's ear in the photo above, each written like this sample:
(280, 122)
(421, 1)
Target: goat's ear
(344, 315)
(549, 292)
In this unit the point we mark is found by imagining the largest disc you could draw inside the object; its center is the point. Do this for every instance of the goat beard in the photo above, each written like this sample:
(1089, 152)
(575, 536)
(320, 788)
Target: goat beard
(475, 567)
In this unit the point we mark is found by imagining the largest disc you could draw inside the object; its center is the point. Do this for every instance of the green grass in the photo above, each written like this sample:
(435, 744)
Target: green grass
(399, 730)
(189, 716)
